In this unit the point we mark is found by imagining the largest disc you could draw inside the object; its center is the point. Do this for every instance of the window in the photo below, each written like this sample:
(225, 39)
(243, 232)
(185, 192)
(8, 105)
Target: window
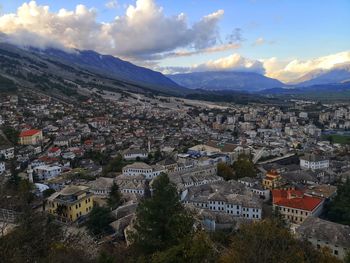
(335, 252)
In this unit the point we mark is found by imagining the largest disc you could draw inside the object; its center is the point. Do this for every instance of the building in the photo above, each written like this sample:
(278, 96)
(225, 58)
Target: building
(30, 137)
(101, 186)
(71, 203)
(2, 167)
(140, 168)
(45, 172)
(134, 154)
(322, 233)
(7, 152)
(225, 198)
(54, 152)
(295, 206)
(313, 162)
(272, 180)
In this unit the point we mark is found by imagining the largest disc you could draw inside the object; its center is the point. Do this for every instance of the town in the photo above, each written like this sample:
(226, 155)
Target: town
(231, 164)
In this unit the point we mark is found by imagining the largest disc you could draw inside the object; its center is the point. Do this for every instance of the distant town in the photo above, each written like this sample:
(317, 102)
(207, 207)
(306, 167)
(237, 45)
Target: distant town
(231, 164)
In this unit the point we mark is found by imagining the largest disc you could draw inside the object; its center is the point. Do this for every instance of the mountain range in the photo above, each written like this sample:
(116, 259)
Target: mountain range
(226, 80)
(338, 74)
(70, 72)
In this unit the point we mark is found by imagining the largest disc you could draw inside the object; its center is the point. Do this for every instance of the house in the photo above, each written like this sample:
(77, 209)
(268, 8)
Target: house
(135, 154)
(295, 206)
(44, 172)
(101, 186)
(313, 162)
(71, 203)
(140, 168)
(2, 167)
(225, 198)
(273, 180)
(54, 152)
(30, 137)
(7, 152)
(326, 234)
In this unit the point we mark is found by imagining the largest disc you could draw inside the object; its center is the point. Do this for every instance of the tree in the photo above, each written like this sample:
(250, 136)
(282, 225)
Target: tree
(11, 134)
(161, 221)
(115, 198)
(338, 210)
(225, 171)
(38, 239)
(267, 242)
(196, 249)
(99, 220)
(114, 165)
(244, 167)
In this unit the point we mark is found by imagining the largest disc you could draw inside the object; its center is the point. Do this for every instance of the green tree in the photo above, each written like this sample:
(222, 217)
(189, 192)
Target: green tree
(162, 221)
(114, 165)
(115, 197)
(338, 210)
(225, 171)
(267, 242)
(244, 167)
(11, 134)
(195, 249)
(99, 220)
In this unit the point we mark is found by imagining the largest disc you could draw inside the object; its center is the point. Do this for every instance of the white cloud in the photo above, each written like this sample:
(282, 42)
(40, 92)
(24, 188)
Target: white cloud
(291, 70)
(284, 70)
(259, 41)
(144, 29)
(113, 4)
(234, 62)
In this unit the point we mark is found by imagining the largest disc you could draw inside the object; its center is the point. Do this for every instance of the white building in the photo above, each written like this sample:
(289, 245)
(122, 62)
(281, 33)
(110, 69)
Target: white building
(140, 168)
(7, 152)
(45, 172)
(101, 186)
(223, 197)
(133, 154)
(2, 167)
(313, 162)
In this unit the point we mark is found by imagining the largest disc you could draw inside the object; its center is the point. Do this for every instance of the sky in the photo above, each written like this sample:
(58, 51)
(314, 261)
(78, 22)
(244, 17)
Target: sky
(284, 39)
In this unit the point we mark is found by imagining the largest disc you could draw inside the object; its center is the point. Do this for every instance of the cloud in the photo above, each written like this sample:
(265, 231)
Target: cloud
(235, 36)
(284, 70)
(294, 69)
(143, 30)
(259, 41)
(234, 62)
(113, 4)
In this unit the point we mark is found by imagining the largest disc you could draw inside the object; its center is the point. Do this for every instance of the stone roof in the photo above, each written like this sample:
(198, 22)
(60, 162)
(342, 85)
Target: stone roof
(319, 229)
(138, 165)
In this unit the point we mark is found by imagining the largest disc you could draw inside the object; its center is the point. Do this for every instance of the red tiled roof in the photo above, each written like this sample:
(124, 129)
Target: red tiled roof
(295, 199)
(29, 133)
(54, 149)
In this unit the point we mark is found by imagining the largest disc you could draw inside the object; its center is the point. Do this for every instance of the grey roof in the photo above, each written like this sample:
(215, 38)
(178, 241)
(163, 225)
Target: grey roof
(327, 231)
(311, 157)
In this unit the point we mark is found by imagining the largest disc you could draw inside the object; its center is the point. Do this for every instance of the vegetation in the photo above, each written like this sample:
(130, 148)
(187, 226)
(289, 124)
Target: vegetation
(114, 165)
(267, 242)
(338, 210)
(225, 171)
(162, 222)
(11, 134)
(99, 220)
(115, 197)
(244, 167)
(36, 238)
(336, 138)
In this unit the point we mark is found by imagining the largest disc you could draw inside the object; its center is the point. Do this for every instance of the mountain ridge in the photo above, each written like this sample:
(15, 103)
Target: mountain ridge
(225, 80)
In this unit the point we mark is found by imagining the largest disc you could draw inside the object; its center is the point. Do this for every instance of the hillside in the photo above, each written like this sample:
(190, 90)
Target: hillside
(59, 75)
